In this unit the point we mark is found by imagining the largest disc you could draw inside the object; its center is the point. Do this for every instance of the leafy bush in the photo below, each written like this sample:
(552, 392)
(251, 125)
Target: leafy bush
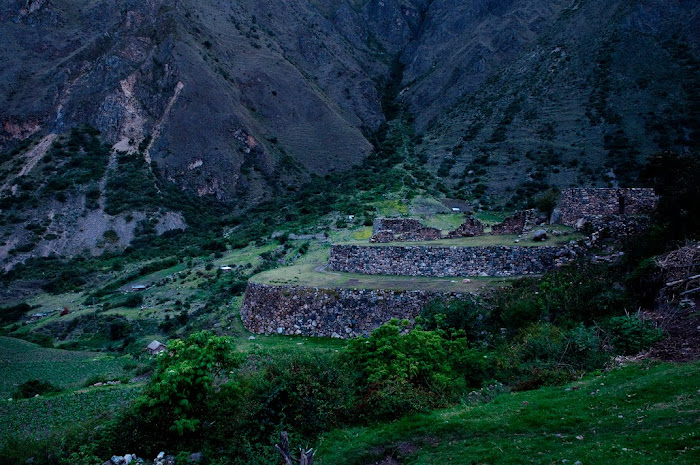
(13, 313)
(466, 315)
(184, 381)
(543, 346)
(133, 300)
(119, 328)
(404, 371)
(576, 293)
(630, 334)
(34, 387)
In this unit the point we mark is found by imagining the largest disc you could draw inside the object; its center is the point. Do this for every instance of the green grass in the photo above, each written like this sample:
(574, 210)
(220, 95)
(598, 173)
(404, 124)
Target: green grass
(489, 217)
(310, 275)
(446, 222)
(40, 417)
(568, 234)
(426, 205)
(264, 343)
(636, 415)
(391, 208)
(21, 361)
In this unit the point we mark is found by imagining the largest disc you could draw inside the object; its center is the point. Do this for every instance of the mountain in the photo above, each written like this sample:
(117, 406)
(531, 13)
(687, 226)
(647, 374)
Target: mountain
(244, 101)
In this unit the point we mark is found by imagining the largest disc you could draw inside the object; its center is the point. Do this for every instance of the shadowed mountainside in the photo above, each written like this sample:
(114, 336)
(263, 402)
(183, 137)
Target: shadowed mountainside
(243, 101)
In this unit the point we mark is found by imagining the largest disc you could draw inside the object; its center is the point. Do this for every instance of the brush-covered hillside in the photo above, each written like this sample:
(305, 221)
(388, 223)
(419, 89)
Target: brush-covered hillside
(239, 100)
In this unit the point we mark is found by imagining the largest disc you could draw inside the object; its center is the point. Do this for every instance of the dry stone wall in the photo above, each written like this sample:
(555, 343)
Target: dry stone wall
(338, 313)
(590, 202)
(470, 228)
(402, 229)
(414, 260)
(518, 223)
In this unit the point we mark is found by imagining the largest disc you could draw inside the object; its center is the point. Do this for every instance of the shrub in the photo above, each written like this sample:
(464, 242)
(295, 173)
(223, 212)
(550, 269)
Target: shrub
(111, 236)
(630, 334)
(540, 345)
(34, 387)
(401, 371)
(546, 201)
(467, 315)
(183, 382)
(133, 300)
(119, 329)
(13, 313)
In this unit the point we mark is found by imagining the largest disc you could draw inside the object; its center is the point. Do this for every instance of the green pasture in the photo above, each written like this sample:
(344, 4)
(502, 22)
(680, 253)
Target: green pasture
(635, 415)
(313, 275)
(21, 361)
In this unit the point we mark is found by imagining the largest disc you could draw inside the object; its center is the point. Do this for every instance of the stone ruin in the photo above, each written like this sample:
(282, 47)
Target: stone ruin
(472, 227)
(587, 203)
(410, 229)
(336, 313)
(402, 229)
(444, 261)
(343, 313)
(518, 223)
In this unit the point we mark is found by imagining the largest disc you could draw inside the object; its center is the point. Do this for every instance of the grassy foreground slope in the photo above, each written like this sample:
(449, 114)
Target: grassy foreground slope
(639, 414)
(22, 361)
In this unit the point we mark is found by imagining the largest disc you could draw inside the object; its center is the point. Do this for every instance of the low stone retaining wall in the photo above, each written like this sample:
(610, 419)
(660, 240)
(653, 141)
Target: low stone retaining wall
(339, 313)
(445, 261)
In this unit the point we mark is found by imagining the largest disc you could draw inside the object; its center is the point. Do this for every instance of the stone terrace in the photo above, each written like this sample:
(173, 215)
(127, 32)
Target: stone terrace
(445, 261)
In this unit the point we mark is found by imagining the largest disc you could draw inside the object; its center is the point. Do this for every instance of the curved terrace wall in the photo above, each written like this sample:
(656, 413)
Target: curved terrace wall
(340, 313)
(445, 261)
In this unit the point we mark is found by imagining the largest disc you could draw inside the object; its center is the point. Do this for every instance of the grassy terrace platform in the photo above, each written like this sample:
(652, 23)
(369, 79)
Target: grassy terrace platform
(567, 234)
(314, 275)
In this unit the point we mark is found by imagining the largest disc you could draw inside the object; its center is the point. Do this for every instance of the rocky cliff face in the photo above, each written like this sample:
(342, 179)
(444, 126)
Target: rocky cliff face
(232, 99)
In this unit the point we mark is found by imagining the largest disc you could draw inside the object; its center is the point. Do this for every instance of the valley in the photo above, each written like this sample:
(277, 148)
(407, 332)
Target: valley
(387, 232)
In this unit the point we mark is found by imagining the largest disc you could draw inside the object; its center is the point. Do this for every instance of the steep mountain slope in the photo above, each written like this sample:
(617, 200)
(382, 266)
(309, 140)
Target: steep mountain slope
(568, 94)
(243, 101)
(232, 98)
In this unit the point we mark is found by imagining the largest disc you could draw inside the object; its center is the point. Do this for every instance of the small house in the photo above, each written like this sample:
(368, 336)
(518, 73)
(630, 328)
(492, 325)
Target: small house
(455, 209)
(155, 347)
(225, 268)
(139, 287)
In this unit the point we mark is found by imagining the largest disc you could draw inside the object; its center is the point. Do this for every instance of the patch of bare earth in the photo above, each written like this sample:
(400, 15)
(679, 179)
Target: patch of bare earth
(392, 454)
(678, 312)
(682, 326)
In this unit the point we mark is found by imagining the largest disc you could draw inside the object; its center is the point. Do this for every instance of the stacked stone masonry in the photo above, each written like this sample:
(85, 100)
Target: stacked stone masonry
(518, 223)
(590, 202)
(445, 261)
(339, 313)
(402, 229)
(470, 228)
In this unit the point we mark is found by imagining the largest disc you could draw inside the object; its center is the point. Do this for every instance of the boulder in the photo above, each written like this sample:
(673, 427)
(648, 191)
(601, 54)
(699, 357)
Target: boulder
(539, 235)
(555, 216)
